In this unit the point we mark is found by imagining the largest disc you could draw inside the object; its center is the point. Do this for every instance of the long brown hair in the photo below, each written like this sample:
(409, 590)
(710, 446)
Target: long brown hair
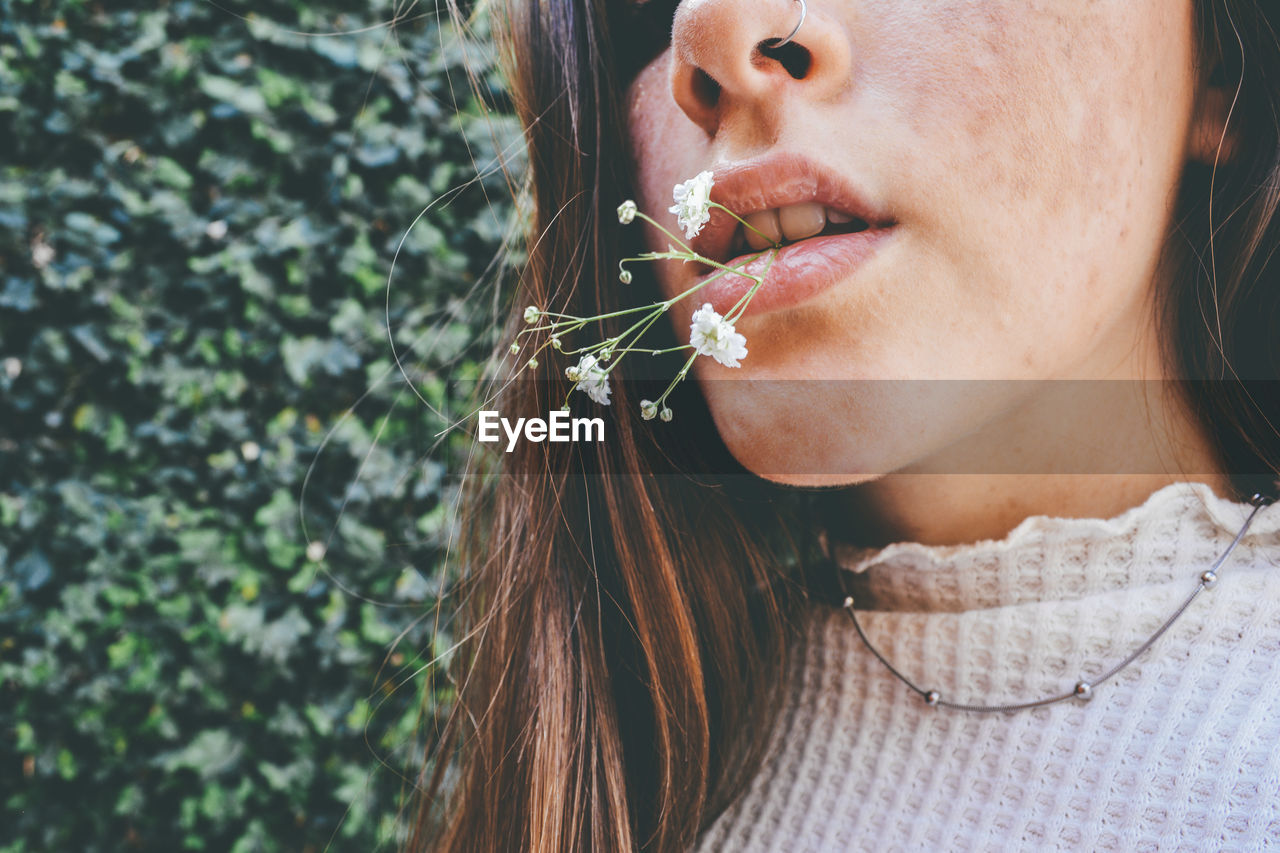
(1221, 310)
(626, 610)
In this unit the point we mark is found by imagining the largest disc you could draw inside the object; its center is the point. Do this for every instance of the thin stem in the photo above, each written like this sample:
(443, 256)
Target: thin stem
(741, 305)
(659, 226)
(572, 323)
(652, 319)
(656, 351)
(774, 243)
(575, 323)
(679, 256)
(684, 371)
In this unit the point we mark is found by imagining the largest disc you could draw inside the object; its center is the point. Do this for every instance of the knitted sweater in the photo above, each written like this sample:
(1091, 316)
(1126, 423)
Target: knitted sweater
(1179, 751)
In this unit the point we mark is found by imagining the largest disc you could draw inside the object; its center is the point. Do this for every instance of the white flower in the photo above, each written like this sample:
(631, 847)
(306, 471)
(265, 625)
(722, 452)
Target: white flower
(531, 314)
(648, 409)
(591, 379)
(250, 450)
(712, 335)
(217, 229)
(627, 212)
(693, 200)
(316, 551)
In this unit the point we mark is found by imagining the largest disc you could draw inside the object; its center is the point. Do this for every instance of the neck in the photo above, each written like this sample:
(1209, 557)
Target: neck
(955, 509)
(1096, 449)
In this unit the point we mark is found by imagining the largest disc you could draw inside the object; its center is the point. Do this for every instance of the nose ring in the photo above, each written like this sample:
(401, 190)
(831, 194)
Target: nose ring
(776, 43)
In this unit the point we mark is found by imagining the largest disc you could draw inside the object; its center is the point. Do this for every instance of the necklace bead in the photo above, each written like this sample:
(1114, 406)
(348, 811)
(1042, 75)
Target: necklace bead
(1083, 690)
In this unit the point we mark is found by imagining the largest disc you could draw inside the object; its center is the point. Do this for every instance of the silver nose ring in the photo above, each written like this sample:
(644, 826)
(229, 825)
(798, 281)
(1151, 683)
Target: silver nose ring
(776, 43)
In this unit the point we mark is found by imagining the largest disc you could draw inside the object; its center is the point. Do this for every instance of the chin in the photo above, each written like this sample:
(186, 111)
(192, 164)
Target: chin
(818, 481)
(779, 432)
(840, 432)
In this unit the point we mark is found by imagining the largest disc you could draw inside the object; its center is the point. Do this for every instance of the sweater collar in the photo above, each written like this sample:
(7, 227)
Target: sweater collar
(1179, 531)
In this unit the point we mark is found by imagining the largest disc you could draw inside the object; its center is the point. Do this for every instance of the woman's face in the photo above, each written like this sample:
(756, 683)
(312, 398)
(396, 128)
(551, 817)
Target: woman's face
(1017, 161)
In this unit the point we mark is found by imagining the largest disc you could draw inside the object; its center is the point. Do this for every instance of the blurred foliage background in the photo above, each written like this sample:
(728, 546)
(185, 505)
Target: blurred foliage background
(223, 509)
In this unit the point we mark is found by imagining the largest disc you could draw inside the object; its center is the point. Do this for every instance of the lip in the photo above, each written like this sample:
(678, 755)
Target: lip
(803, 269)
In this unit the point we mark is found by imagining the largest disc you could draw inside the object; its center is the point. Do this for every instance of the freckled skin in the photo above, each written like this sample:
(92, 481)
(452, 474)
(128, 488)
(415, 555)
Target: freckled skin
(1030, 152)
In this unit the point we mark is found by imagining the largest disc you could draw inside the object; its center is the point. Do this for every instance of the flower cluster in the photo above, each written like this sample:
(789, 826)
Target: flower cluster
(710, 334)
(693, 204)
(590, 378)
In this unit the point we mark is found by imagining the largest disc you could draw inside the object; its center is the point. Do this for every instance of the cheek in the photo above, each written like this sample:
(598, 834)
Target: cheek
(663, 142)
(1044, 141)
(665, 148)
(1024, 97)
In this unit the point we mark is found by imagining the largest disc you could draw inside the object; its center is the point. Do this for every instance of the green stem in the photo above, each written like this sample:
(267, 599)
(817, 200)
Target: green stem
(653, 318)
(659, 226)
(741, 305)
(773, 243)
(655, 351)
(684, 371)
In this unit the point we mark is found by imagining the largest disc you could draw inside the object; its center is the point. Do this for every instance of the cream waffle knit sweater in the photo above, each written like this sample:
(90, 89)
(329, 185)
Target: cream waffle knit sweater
(1180, 751)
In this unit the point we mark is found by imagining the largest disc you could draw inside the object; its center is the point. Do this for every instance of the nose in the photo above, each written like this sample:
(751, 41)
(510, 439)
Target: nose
(725, 62)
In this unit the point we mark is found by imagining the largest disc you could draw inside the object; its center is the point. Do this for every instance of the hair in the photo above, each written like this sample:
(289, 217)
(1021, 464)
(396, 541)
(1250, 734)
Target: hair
(627, 615)
(1221, 308)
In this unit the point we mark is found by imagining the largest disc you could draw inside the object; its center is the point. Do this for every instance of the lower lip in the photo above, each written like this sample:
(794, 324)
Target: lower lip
(799, 272)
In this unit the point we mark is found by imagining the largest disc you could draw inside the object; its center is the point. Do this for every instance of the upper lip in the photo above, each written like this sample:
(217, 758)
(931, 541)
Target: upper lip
(772, 182)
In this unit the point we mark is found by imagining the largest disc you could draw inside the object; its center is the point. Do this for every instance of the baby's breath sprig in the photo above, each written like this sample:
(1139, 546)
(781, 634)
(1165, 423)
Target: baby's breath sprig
(710, 334)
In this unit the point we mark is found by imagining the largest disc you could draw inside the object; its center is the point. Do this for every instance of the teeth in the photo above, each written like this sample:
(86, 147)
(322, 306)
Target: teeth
(766, 221)
(802, 220)
(788, 224)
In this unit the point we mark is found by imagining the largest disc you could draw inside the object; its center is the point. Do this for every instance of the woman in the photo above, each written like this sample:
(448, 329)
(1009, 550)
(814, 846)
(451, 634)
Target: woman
(1069, 205)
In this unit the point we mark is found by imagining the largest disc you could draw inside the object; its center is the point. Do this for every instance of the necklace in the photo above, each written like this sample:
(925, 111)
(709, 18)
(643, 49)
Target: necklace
(1083, 689)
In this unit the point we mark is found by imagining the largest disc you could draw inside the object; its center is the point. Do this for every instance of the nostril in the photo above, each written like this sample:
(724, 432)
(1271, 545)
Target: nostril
(791, 56)
(705, 88)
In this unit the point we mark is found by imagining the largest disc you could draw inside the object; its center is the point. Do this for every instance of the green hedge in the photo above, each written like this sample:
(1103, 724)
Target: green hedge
(198, 214)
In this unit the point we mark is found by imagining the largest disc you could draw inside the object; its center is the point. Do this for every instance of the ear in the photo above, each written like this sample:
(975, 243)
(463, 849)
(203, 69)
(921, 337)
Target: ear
(1214, 125)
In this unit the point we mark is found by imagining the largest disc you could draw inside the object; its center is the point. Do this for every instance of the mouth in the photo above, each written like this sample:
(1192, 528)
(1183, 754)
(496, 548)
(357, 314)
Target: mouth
(824, 230)
(788, 225)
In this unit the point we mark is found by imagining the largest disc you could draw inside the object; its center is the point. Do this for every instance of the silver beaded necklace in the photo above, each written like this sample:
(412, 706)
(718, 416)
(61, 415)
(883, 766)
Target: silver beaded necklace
(1083, 689)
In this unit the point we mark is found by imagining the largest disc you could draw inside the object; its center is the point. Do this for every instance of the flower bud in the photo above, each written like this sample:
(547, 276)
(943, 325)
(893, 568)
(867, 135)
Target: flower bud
(515, 347)
(625, 276)
(531, 314)
(627, 212)
(533, 363)
(648, 409)
(665, 414)
(555, 342)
